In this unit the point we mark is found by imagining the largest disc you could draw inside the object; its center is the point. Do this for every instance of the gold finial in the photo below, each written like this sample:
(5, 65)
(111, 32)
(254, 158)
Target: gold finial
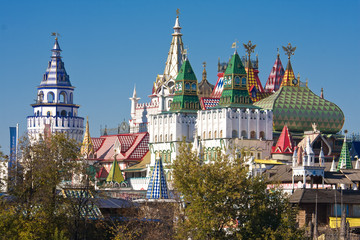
(56, 34)
(204, 64)
(289, 50)
(249, 48)
(307, 82)
(204, 71)
(278, 52)
(177, 12)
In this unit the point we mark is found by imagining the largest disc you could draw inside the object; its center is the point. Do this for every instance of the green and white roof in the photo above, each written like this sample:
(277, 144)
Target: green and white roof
(299, 108)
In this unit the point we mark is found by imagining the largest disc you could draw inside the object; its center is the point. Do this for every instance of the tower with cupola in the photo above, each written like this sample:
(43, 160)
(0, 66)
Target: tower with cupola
(54, 108)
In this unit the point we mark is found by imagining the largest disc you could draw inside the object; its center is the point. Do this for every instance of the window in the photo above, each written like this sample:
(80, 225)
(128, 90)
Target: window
(50, 97)
(62, 97)
(165, 137)
(221, 134)
(215, 134)
(71, 98)
(204, 135)
(193, 87)
(48, 113)
(161, 138)
(63, 113)
(234, 134)
(252, 134)
(171, 137)
(244, 134)
(187, 86)
(209, 134)
(262, 135)
(155, 138)
(237, 80)
(243, 82)
(41, 96)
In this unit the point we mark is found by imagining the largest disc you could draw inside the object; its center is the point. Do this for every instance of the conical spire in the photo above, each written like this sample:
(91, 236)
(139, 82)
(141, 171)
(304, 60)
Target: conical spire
(115, 174)
(333, 165)
(186, 98)
(157, 188)
(235, 93)
(87, 146)
(55, 74)
(294, 158)
(175, 58)
(284, 143)
(275, 77)
(289, 75)
(205, 88)
(344, 160)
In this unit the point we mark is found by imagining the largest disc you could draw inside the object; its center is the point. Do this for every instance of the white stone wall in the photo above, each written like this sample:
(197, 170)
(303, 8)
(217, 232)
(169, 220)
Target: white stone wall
(234, 123)
(73, 126)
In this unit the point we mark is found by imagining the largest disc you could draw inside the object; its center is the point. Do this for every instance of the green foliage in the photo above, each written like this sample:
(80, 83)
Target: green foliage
(224, 203)
(35, 209)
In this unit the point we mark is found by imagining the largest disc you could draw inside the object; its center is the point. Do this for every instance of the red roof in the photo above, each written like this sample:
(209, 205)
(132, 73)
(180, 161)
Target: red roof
(284, 143)
(133, 146)
(276, 75)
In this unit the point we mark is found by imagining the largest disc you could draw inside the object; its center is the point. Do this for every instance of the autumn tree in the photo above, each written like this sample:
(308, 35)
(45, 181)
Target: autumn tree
(223, 202)
(34, 209)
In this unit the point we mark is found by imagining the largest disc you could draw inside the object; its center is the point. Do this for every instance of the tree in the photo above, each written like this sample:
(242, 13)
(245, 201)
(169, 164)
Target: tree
(222, 202)
(34, 208)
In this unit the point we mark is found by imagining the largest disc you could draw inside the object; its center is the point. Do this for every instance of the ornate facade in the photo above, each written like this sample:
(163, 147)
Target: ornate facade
(54, 109)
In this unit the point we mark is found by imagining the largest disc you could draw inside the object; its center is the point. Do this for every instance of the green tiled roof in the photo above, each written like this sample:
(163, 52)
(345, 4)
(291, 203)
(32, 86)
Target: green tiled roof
(344, 160)
(235, 66)
(186, 72)
(299, 108)
(185, 98)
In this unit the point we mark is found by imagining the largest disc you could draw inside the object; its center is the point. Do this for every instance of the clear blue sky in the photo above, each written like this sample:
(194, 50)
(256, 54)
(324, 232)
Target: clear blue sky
(108, 46)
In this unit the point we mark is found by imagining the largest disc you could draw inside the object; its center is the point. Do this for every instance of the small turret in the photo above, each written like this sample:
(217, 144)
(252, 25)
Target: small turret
(310, 153)
(134, 100)
(333, 165)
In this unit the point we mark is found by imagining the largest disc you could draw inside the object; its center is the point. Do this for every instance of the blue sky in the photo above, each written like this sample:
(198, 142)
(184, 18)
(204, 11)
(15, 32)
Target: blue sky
(109, 46)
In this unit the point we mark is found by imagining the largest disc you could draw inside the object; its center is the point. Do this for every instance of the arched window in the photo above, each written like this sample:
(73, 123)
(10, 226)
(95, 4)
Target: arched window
(215, 134)
(221, 135)
(262, 135)
(171, 137)
(187, 86)
(244, 134)
(155, 138)
(243, 82)
(41, 96)
(193, 87)
(62, 97)
(209, 134)
(165, 137)
(252, 134)
(71, 98)
(160, 137)
(234, 134)
(48, 113)
(204, 135)
(50, 97)
(63, 113)
(38, 113)
(169, 103)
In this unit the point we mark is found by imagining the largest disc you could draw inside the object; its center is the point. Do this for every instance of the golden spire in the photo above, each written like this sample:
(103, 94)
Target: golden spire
(87, 146)
(204, 72)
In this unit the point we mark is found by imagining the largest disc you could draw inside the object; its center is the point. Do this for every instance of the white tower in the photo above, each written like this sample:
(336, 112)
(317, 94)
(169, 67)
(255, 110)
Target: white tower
(54, 110)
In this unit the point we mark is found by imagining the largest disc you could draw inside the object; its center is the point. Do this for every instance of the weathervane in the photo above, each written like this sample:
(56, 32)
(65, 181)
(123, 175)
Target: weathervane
(234, 45)
(289, 50)
(177, 12)
(249, 48)
(56, 34)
